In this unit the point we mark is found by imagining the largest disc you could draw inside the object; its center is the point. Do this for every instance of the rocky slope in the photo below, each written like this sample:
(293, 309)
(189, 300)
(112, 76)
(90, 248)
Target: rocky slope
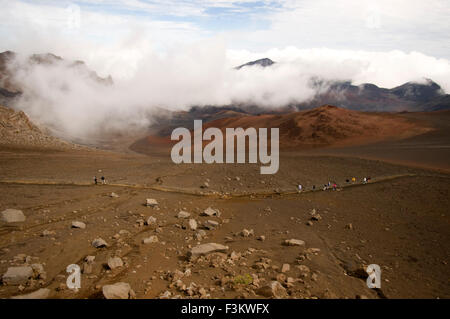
(16, 130)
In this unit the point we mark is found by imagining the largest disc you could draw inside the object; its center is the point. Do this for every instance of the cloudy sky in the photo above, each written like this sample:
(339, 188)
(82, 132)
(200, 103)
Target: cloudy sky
(180, 53)
(124, 30)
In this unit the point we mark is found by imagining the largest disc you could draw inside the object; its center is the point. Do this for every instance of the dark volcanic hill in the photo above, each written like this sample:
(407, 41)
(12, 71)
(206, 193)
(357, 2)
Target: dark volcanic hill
(411, 96)
(261, 62)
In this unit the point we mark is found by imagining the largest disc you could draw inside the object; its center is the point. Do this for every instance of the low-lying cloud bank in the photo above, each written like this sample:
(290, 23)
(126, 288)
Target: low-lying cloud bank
(77, 105)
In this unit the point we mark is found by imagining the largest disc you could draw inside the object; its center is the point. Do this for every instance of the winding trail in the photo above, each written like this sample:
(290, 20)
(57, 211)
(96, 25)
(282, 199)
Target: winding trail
(168, 189)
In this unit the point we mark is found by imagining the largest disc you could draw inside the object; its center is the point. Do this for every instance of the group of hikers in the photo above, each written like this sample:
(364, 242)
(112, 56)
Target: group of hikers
(103, 179)
(333, 185)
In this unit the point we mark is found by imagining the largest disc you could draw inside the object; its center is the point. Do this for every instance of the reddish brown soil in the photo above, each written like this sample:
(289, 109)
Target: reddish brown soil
(320, 127)
(400, 221)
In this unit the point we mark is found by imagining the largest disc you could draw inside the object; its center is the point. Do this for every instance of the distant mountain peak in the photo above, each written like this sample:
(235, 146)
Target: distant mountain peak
(418, 91)
(45, 58)
(261, 62)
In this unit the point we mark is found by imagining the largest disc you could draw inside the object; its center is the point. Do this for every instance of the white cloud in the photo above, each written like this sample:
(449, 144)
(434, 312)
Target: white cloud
(200, 74)
(176, 63)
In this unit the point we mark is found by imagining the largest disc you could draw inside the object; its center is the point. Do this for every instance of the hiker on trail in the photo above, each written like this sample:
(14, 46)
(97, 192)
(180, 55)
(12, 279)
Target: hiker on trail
(365, 180)
(314, 187)
(103, 180)
(325, 187)
(347, 180)
(300, 187)
(353, 179)
(95, 180)
(334, 186)
(368, 179)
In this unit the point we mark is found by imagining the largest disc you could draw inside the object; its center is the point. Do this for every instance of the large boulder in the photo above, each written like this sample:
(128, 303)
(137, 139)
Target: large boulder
(12, 216)
(17, 275)
(151, 202)
(120, 290)
(115, 262)
(193, 224)
(211, 224)
(211, 212)
(183, 214)
(294, 242)
(77, 224)
(99, 243)
(273, 290)
(205, 249)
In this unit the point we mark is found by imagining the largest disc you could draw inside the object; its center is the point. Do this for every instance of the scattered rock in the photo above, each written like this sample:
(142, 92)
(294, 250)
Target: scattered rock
(285, 268)
(262, 238)
(273, 290)
(150, 240)
(115, 262)
(211, 212)
(314, 251)
(140, 222)
(205, 249)
(76, 224)
(120, 290)
(47, 233)
(192, 224)
(303, 268)
(294, 242)
(87, 265)
(12, 216)
(235, 256)
(99, 243)
(281, 277)
(183, 214)
(211, 224)
(151, 202)
(89, 259)
(39, 272)
(114, 195)
(349, 226)
(151, 220)
(17, 275)
(247, 233)
(315, 216)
